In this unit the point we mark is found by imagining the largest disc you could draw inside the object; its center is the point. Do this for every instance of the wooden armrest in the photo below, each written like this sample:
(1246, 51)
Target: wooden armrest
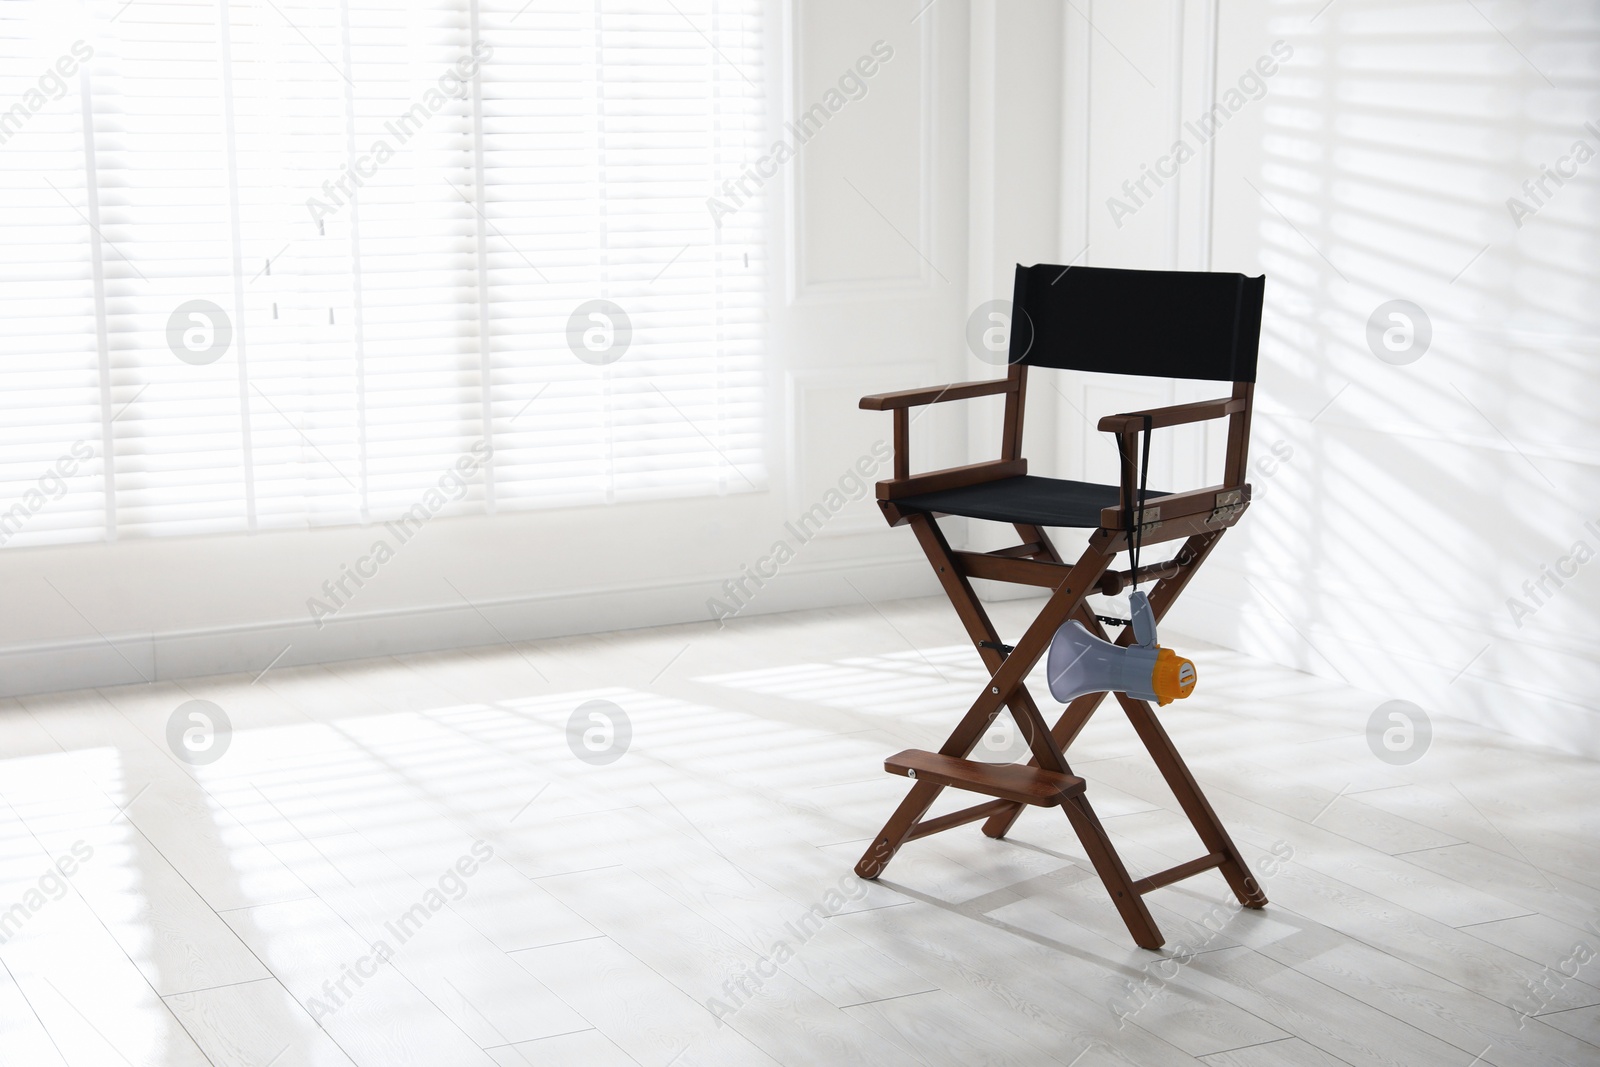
(1176, 415)
(934, 394)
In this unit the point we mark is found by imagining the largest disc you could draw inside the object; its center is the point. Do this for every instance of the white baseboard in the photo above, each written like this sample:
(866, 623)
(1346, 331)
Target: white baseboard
(128, 659)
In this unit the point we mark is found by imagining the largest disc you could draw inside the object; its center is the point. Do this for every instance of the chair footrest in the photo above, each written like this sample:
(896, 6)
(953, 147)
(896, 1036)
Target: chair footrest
(1008, 781)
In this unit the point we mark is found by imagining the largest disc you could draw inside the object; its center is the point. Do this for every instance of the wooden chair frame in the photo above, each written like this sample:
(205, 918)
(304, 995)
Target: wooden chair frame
(1199, 517)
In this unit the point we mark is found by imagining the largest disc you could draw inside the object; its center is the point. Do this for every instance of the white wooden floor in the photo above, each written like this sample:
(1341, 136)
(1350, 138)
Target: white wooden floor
(301, 900)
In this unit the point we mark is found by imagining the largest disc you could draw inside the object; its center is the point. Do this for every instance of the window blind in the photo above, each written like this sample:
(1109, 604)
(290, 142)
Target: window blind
(400, 219)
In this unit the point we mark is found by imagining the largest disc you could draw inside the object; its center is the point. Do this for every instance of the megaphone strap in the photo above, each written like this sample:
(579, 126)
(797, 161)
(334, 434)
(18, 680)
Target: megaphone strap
(1136, 516)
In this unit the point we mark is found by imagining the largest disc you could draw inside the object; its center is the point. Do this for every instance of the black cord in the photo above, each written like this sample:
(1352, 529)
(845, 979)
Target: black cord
(1136, 534)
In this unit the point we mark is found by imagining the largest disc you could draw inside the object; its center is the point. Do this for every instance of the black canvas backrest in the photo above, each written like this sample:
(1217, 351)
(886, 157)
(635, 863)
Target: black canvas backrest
(1161, 323)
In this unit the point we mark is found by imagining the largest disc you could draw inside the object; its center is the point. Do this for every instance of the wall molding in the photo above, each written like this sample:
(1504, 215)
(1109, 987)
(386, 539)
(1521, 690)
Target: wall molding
(802, 291)
(249, 649)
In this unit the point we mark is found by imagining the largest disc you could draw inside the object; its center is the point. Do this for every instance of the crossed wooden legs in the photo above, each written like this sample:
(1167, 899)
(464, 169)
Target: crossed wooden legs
(1052, 782)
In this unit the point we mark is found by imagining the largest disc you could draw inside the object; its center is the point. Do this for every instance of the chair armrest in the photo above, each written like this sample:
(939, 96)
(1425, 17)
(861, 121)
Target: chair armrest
(1223, 503)
(1176, 415)
(934, 394)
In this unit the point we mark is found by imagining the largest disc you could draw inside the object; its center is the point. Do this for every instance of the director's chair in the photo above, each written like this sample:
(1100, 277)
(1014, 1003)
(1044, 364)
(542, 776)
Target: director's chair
(1154, 323)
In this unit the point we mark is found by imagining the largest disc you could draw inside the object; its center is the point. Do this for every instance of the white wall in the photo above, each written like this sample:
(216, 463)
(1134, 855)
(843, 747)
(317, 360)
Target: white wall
(1416, 499)
(868, 291)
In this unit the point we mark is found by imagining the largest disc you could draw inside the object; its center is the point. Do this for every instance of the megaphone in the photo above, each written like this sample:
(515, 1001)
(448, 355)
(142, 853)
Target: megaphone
(1079, 662)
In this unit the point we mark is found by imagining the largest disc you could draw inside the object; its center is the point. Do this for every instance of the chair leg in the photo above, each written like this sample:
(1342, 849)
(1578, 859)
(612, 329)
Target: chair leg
(980, 629)
(1193, 801)
(1130, 904)
(893, 834)
(1072, 720)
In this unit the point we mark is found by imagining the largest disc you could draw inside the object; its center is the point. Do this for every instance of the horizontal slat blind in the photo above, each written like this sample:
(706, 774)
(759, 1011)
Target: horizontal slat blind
(52, 408)
(649, 105)
(211, 152)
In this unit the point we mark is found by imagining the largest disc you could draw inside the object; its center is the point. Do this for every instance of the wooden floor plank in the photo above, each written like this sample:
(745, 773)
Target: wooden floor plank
(475, 984)
(1290, 1052)
(378, 1018)
(935, 1026)
(586, 1048)
(1359, 1035)
(255, 1023)
(651, 1020)
(22, 1033)
(747, 989)
(993, 970)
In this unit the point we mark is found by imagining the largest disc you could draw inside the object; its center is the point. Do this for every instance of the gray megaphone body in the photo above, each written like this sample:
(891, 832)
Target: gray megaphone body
(1080, 663)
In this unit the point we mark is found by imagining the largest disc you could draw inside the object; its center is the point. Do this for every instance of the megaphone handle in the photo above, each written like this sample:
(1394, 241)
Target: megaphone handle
(1144, 619)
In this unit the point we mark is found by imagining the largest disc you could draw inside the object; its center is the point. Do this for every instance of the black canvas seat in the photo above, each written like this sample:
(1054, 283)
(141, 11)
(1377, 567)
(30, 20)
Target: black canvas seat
(1026, 499)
